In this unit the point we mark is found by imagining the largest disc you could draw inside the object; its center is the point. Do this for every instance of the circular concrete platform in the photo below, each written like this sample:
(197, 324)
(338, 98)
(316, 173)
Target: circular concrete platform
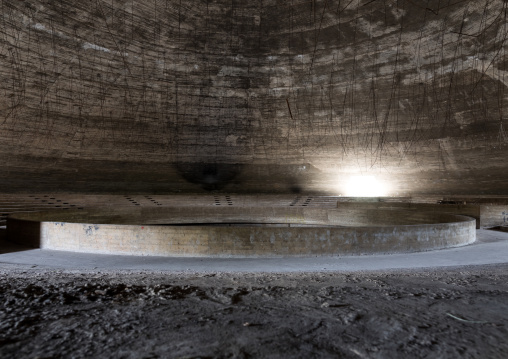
(241, 232)
(490, 248)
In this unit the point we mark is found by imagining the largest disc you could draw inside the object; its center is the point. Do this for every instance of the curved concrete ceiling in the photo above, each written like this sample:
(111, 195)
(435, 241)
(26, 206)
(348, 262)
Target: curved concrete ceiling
(253, 96)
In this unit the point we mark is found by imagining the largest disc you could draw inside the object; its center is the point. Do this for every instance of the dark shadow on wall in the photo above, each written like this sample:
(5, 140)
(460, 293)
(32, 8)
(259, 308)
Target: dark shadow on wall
(209, 176)
(10, 247)
(20, 236)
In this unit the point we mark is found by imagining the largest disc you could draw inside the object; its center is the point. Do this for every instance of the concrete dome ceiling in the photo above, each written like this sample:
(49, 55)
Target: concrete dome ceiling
(161, 96)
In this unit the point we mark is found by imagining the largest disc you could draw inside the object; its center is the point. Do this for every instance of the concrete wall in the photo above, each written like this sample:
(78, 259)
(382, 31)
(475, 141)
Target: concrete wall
(332, 232)
(494, 215)
(253, 96)
(471, 210)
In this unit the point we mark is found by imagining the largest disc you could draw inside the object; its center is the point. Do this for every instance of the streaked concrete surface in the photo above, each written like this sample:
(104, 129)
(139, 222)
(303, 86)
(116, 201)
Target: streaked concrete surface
(183, 231)
(265, 96)
(491, 248)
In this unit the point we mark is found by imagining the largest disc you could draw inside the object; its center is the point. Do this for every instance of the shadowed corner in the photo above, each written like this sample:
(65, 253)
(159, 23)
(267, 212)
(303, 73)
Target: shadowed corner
(209, 176)
(295, 188)
(28, 236)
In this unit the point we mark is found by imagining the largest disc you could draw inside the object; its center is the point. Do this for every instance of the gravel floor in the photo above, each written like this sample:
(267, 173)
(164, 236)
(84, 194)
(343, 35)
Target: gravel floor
(434, 313)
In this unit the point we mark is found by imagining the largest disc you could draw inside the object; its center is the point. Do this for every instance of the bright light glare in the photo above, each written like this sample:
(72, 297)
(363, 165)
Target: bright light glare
(365, 186)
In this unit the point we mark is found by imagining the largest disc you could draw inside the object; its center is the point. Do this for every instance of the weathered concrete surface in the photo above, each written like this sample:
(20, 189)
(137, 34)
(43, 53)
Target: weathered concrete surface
(470, 210)
(355, 216)
(465, 205)
(366, 231)
(275, 96)
(494, 215)
(491, 247)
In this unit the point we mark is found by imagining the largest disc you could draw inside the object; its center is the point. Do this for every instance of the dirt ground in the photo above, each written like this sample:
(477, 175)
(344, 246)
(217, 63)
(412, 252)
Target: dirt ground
(434, 313)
